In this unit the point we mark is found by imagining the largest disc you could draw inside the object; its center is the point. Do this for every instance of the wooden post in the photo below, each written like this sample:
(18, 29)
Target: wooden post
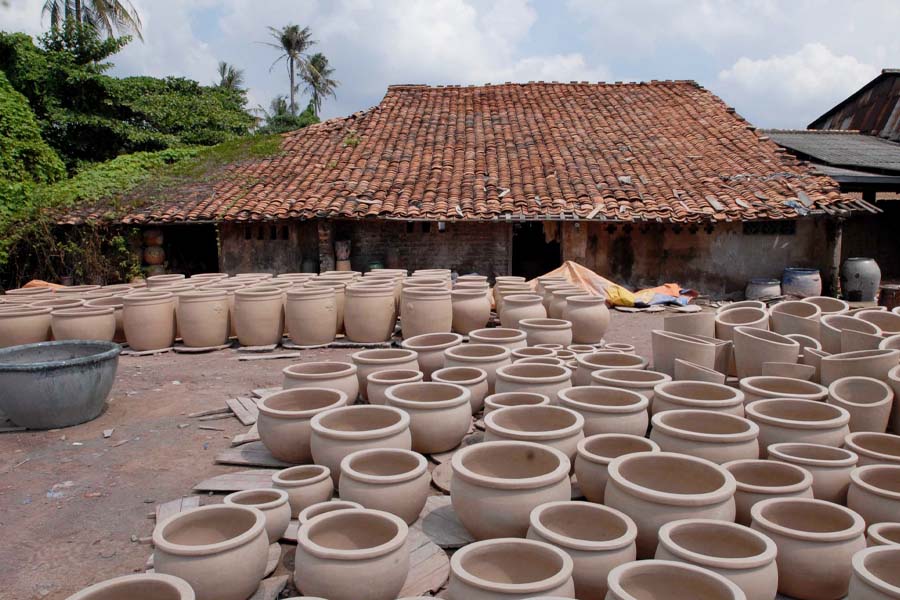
(326, 245)
(835, 232)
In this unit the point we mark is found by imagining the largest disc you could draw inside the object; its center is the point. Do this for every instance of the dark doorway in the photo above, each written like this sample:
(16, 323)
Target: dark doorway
(191, 249)
(532, 254)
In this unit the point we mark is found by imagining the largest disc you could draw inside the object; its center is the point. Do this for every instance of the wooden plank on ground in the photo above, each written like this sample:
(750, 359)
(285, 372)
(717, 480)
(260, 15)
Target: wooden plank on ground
(263, 392)
(173, 507)
(245, 438)
(278, 356)
(211, 411)
(237, 481)
(429, 566)
(253, 454)
(245, 411)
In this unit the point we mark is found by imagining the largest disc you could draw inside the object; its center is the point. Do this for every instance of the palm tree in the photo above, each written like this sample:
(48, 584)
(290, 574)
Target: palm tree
(230, 77)
(114, 17)
(293, 42)
(316, 73)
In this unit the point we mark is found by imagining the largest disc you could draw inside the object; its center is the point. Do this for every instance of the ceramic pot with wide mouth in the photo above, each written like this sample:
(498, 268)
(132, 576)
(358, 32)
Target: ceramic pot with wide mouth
(379, 381)
(830, 467)
(795, 317)
(430, 349)
(83, 323)
(389, 479)
(816, 541)
(597, 538)
(339, 288)
(552, 426)
(887, 322)
(369, 313)
(833, 324)
(688, 371)
(753, 347)
(594, 454)
(494, 402)
(874, 448)
(767, 387)
(116, 303)
(284, 420)
(471, 309)
(371, 361)
(148, 319)
(589, 317)
(501, 291)
(875, 574)
(425, 310)
(202, 317)
(559, 299)
(891, 342)
(883, 534)
(273, 503)
(532, 352)
(547, 331)
(540, 379)
(795, 420)
(145, 586)
(325, 374)
(828, 305)
(547, 291)
(607, 409)
(875, 492)
(642, 486)
(641, 382)
(667, 346)
(486, 357)
(521, 306)
(741, 314)
(700, 395)
(310, 315)
(853, 341)
(759, 480)
(440, 414)
(738, 553)
(495, 485)
(865, 363)
(499, 336)
(716, 436)
(164, 280)
(471, 378)
(700, 323)
(55, 303)
(355, 554)
(669, 580)
(510, 568)
(305, 485)
(547, 360)
(588, 363)
(314, 510)
(220, 550)
(259, 315)
(30, 293)
(869, 402)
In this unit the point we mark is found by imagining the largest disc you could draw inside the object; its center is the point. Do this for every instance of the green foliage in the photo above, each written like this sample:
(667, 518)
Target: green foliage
(280, 119)
(24, 156)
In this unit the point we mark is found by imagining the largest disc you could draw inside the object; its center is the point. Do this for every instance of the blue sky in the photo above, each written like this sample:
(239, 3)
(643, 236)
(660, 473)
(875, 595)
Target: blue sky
(780, 63)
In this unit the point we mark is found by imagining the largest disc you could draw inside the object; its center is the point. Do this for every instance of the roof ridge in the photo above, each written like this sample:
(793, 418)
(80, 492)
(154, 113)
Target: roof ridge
(428, 86)
(816, 131)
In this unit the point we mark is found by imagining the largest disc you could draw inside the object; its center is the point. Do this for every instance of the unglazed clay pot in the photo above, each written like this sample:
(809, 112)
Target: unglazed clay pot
(716, 436)
(501, 291)
(675, 395)
(542, 360)
(471, 378)
(552, 426)
(700, 323)
(273, 503)
(589, 317)
(326, 374)
(284, 420)
(559, 299)
(145, 586)
(829, 466)
(430, 349)
(642, 486)
(738, 553)
(541, 379)
(724, 360)
(852, 341)
(389, 479)
(369, 313)
(864, 363)
(425, 310)
(833, 324)
(815, 540)
(165, 280)
(607, 409)
(688, 371)
(641, 382)
(795, 317)
(116, 303)
(356, 554)
(486, 357)
(739, 315)
(305, 485)
(220, 550)
(29, 293)
(667, 346)
(499, 336)
(883, 534)
(310, 315)
(148, 319)
(379, 381)
(83, 323)
(869, 402)
(759, 480)
(765, 386)
(753, 347)
(875, 492)
(547, 331)
(370, 361)
(588, 363)
(521, 306)
(56, 303)
(597, 538)
(828, 305)
(497, 401)
(339, 288)
(495, 485)
(594, 454)
(887, 322)
(342, 431)
(669, 580)
(258, 315)
(789, 370)
(793, 420)
(471, 309)
(874, 448)
(439, 413)
(203, 317)
(875, 574)
(311, 512)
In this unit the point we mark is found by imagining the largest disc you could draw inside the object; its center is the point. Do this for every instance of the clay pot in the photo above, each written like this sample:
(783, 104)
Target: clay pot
(388, 479)
(29, 293)
(890, 343)
(273, 504)
(510, 568)
(499, 336)
(497, 401)
(675, 395)
(588, 363)
(116, 303)
(893, 380)
(148, 319)
(716, 436)
(669, 580)
(430, 349)
(145, 586)
(370, 361)
(589, 317)
(220, 550)
(641, 382)
(471, 309)
(55, 303)
(378, 382)
(495, 485)
(547, 360)
(311, 512)
(701, 323)
(547, 331)
(868, 401)
(339, 289)
(852, 341)
(667, 346)
(486, 357)
(552, 426)
(815, 540)
(875, 492)
(594, 453)
(688, 371)
(883, 534)
(738, 553)
(833, 324)
(597, 539)
(865, 363)
(339, 550)
(203, 317)
(795, 317)
(805, 342)
(425, 310)
(766, 387)
(501, 291)
(521, 306)
(440, 414)
(788, 370)
(284, 420)
(532, 352)
(875, 574)
(333, 375)
(794, 420)
(607, 409)
(158, 281)
(741, 316)
(369, 313)
(828, 305)
(887, 322)
(542, 379)
(342, 431)
(829, 466)
(724, 352)
(874, 448)
(559, 299)
(759, 480)
(566, 355)
(258, 315)
(642, 486)
(305, 485)
(471, 378)
(753, 347)
(83, 323)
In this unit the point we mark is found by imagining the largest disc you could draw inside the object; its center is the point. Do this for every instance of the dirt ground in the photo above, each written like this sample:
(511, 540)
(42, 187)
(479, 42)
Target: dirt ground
(74, 505)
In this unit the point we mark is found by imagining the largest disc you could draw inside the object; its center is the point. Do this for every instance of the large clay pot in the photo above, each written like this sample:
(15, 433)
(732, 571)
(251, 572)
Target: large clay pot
(607, 409)
(389, 479)
(815, 540)
(326, 374)
(30, 294)
(700, 323)
(471, 309)
(860, 279)
(767, 386)
(369, 313)
(669, 580)
(642, 486)
(378, 382)
(203, 317)
(439, 413)
(499, 336)
(229, 286)
(740, 316)
(875, 492)
(284, 420)
(338, 551)
(430, 349)
(589, 317)
(830, 467)
(832, 325)
(116, 303)
(552, 426)
(471, 378)
(258, 315)
(794, 420)
(273, 504)
(738, 553)
(311, 512)
(716, 436)
(869, 402)
(874, 448)
(495, 485)
(883, 534)
(425, 310)
(342, 431)
(158, 281)
(486, 357)
(559, 299)
(688, 371)
(148, 319)
(371, 361)
(759, 480)
(588, 363)
(145, 586)
(305, 485)
(497, 401)
(667, 346)
(339, 288)
(532, 352)
(865, 363)
(597, 538)
(220, 550)
(887, 322)
(547, 331)
(828, 305)
(675, 395)
(60, 302)
(795, 317)
(503, 290)
(542, 379)
(642, 382)
(753, 347)
(594, 453)
(510, 568)
(875, 574)
(521, 306)
(83, 323)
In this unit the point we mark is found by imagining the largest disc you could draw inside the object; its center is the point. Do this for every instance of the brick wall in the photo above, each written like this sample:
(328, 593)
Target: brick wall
(269, 247)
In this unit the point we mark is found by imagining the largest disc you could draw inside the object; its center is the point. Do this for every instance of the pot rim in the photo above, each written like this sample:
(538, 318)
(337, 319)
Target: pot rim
(620, 377)
(179, 585)
(479, 377)
(321, 473)
(856, 529)
(888, 397)
(115, 301)
(750, 383)
(875, 532)
(258, 528)
(346, 370)
(373, 290)
(851, 442)
(583, 452)
(408, 404)
(264, 408)
(565, 541)
(506, 334)
(523, 299)
(149, 297)
(501, 353)
(462, 292)
(202, 295)
(662, 389)
(779, 309)
(528, 352)
(415, 342)
(640, 402)
(723, 493)
(862, 355)
(313, 293)
(402, 423)
(750, 433)
(378, 377)
(827, 300)
(615, 575)
(546, 324)
(752, 410)
(303, 516)
(417, 292)
(319, 551)
(639, 362)
(82, 311)
(259, 294)
(397, 355)
(105, 351)
(490, 400)
(547, 434)
(557, 579)
(347, 469)
(764, 335)
(586, 299)
(718, 562)
(782, 451)
(280, 500)
(761, 312)
(806, 478)
(504, 373)
(838, 318)
(856, 478)
(558, 473)
(870, 579)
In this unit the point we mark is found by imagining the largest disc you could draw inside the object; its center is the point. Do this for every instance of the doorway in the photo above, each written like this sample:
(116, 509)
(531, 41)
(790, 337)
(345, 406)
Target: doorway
(532, 254)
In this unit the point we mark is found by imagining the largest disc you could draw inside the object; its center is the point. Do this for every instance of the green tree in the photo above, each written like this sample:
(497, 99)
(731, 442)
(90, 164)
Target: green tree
(316, 73)
(279, 119)
(113, 17)
(293, 42)
(230, 77)
(25, 157)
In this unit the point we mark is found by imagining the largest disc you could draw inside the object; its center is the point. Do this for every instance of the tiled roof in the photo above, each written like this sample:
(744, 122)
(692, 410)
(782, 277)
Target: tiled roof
(841, 148)
(658, 151)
